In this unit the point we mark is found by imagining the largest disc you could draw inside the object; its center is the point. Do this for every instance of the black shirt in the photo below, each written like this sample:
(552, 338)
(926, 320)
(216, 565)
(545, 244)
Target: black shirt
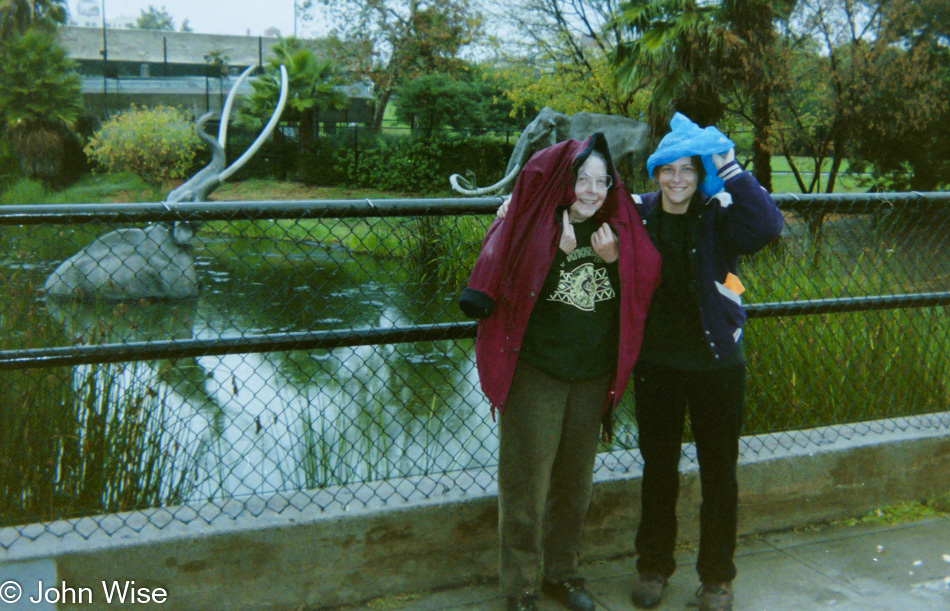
(674, 334)
(572, 334)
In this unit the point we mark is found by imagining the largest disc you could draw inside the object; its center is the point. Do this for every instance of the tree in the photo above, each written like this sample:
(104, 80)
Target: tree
(706, 59)
(831, 38)
(803, 103)
(302, 13)
(559, 55)
(39, 102)
(185, 26)
(680, 46)
(16, 16)
(498, 107)
(313, 86)
(435, 100)
(755, 73)
(155, 19)
(217, 61)
(868, 79)
(389, 41)
(904, 133)
(471, 100)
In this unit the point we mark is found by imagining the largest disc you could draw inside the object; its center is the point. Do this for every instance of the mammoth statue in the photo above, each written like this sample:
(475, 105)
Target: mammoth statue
(156, 261)
(628, 140)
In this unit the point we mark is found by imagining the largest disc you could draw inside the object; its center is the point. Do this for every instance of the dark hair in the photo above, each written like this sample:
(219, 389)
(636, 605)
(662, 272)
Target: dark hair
(700, 170)
(696, 161)
(598, 146)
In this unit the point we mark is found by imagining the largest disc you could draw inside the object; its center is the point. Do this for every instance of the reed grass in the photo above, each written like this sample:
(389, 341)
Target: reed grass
(818, 370)
(78, 442)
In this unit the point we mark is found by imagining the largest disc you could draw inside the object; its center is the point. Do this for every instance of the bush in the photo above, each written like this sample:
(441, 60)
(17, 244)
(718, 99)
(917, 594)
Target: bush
(156, 144)
(406, 164)
(276, 158)
(393, 166)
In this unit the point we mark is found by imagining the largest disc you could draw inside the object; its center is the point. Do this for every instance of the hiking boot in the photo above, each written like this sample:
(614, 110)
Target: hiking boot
(570, 593)
(523, 602)
(647, 590)
(715, 596)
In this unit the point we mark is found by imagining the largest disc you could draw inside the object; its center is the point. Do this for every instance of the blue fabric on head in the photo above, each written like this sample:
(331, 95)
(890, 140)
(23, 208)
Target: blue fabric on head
(687, 139)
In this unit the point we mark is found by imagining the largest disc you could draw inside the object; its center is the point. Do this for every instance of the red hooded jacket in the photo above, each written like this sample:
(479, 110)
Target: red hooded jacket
(518, 252)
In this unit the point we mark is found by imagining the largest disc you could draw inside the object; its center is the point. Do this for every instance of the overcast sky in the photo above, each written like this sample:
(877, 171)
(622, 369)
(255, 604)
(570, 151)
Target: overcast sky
(216, 16)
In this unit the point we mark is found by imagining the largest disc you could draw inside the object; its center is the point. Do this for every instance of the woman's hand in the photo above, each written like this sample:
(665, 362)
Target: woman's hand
(568, 239)
(605, 244)
(503, 208)
(721, 159)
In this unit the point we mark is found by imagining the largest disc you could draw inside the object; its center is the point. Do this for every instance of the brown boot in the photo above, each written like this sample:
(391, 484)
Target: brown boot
(527, 601)
(716, 596)
(647, 590)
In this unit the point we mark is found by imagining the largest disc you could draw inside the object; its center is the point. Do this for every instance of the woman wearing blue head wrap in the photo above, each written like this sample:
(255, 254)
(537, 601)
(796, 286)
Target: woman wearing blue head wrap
(692, 356)
(706, 213)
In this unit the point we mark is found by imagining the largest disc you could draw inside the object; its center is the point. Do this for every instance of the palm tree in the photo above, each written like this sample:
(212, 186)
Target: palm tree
(679, 45)
(700, 54)
(16, 16)
(39, 102)
(312, 87)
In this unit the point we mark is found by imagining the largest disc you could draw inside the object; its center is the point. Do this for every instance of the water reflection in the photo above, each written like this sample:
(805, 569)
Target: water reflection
(263, 423)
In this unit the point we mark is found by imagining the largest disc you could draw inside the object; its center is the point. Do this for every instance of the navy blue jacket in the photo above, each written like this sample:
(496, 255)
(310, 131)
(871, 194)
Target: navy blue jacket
(738, 221)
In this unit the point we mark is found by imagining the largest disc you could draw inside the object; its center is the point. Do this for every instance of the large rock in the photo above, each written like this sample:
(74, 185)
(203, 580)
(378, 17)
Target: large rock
(155, 262)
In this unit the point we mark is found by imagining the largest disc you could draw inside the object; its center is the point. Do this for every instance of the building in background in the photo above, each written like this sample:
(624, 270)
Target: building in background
(122, 66)
(88, 14)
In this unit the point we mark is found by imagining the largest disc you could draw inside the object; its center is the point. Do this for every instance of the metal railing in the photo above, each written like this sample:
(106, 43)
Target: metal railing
(324, 349)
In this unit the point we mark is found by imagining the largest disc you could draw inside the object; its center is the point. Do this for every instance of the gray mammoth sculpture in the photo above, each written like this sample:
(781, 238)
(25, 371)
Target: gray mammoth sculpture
(628, 140)
(157, 261)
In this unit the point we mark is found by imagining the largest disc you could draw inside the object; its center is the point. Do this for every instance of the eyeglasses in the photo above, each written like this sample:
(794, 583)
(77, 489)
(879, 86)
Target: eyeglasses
(586, 181)
(668, 171)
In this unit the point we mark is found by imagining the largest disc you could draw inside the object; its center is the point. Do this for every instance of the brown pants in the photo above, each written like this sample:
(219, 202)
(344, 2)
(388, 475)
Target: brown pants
(548, 442)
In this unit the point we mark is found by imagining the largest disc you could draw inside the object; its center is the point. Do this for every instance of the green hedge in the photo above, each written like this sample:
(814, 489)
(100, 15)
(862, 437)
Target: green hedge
(9, 170)
(403, 163)
(358, 157)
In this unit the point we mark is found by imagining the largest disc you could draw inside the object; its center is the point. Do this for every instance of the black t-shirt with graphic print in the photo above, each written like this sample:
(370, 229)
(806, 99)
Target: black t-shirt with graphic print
(573, 330)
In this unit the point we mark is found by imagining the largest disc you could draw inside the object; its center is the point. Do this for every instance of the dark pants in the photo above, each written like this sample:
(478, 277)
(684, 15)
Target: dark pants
(715, 401)
(547, 445)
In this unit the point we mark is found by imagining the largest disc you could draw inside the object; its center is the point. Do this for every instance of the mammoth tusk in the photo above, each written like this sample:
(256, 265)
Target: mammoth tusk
(228, 103)
(268, 129)
(460, 185)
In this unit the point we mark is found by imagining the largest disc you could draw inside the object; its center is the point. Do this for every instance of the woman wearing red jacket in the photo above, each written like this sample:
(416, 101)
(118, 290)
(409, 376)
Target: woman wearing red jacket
(561, 288)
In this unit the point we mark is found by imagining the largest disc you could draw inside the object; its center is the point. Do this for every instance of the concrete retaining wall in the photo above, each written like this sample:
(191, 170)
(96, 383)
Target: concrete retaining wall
(285, 557)
(155, 47)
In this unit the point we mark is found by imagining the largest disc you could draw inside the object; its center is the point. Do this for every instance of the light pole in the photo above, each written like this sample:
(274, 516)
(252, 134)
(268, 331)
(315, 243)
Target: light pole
(105, 53)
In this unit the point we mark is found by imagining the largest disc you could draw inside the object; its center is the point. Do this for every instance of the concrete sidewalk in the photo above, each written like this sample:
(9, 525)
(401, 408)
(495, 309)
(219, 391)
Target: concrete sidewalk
(905, 567)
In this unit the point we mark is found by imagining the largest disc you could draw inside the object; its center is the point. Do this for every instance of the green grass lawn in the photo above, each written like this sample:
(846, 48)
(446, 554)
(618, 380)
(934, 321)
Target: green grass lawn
(783, 181)
(804, 164)
(91, 189)
(126, 188)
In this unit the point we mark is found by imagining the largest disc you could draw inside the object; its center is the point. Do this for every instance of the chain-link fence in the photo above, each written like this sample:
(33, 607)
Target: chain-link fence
(156, 356)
